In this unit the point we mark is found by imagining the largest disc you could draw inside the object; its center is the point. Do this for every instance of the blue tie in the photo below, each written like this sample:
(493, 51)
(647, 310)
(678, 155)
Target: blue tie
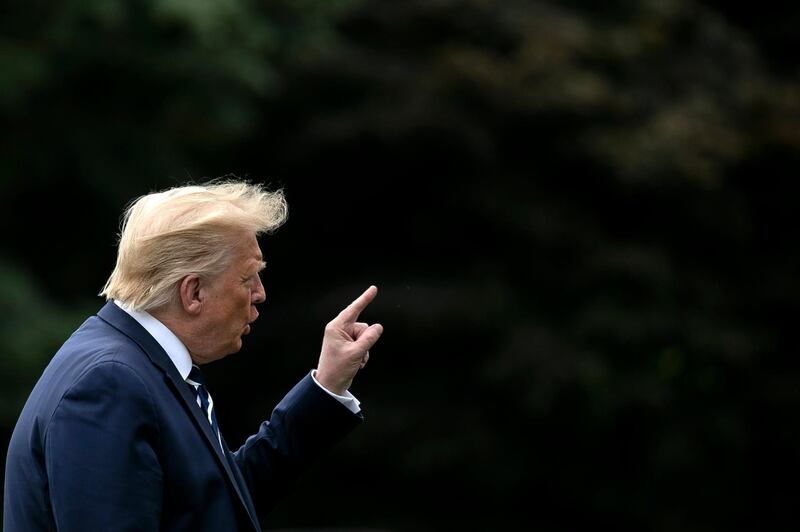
(198, 383)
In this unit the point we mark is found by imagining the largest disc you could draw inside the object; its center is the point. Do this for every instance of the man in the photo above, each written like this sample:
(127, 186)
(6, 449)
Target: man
(120, 432)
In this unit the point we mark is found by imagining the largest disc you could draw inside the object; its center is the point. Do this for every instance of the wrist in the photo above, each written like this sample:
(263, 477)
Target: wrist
(332, 385)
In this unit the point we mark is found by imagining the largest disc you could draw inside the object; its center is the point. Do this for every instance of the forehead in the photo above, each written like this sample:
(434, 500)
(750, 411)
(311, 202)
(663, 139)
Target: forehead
(247, 249)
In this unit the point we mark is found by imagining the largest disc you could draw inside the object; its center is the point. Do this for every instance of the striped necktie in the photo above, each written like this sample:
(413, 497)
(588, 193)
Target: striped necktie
(204, 400)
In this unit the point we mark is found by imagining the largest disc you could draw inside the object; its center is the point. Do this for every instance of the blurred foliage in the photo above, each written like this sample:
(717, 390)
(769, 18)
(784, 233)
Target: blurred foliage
(578, 215)
(32, 330)
(127, 89)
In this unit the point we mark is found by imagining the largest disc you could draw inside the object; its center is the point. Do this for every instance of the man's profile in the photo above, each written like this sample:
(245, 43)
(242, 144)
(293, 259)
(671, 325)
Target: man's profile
(120, 431)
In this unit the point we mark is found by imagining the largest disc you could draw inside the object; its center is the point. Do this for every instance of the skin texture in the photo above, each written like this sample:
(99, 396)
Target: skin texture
(346, 345)
(210, 317)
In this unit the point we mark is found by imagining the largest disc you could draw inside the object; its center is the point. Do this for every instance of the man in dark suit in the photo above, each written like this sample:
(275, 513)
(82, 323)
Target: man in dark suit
(120, 431)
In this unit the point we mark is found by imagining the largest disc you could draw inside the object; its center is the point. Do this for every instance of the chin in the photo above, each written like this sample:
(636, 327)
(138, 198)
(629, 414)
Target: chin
(233, 348)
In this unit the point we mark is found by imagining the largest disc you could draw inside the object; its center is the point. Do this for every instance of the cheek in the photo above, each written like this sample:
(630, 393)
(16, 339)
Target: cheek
(243, 303)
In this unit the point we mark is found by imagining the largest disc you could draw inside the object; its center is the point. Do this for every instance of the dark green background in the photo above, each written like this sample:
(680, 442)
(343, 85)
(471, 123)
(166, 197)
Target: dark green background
(579, 216)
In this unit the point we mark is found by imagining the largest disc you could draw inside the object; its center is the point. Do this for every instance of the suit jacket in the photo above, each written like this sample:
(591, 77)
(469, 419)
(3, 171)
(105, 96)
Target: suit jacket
(112, 438)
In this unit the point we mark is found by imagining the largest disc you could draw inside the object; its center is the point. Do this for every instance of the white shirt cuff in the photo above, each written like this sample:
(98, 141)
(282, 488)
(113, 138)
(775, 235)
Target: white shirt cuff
(348, 399)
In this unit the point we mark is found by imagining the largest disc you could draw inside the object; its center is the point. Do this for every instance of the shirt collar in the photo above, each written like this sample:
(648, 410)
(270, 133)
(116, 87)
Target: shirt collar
(174, 348)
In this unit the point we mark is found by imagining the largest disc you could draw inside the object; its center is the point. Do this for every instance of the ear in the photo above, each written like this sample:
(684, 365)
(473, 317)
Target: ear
(189, 293)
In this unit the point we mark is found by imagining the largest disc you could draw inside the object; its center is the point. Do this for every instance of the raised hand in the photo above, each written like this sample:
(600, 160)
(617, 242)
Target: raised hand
(346, 345)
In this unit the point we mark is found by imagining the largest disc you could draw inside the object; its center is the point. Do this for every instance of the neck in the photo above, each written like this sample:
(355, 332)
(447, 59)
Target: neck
(181, 326)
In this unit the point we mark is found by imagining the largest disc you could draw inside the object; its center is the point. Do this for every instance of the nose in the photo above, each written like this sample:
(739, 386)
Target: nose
(259, 294)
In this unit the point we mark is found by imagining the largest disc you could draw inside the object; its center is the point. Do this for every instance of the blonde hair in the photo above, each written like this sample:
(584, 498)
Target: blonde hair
(168, 235)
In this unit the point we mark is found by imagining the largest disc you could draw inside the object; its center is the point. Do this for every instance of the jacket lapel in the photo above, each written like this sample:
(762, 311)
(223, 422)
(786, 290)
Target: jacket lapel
(122, 321)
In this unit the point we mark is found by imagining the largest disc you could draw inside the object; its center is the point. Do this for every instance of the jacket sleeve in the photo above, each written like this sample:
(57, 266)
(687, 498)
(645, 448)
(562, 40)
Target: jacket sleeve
(100, 454)
(305, 424)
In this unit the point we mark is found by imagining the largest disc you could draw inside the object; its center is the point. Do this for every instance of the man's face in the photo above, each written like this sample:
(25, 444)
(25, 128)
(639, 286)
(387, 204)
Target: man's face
(229, 303)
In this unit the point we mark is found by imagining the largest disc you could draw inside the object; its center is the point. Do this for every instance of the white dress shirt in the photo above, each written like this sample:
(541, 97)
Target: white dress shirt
(179, 355)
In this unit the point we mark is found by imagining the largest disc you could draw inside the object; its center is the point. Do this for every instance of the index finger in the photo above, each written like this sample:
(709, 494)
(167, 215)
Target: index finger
(351, 311)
